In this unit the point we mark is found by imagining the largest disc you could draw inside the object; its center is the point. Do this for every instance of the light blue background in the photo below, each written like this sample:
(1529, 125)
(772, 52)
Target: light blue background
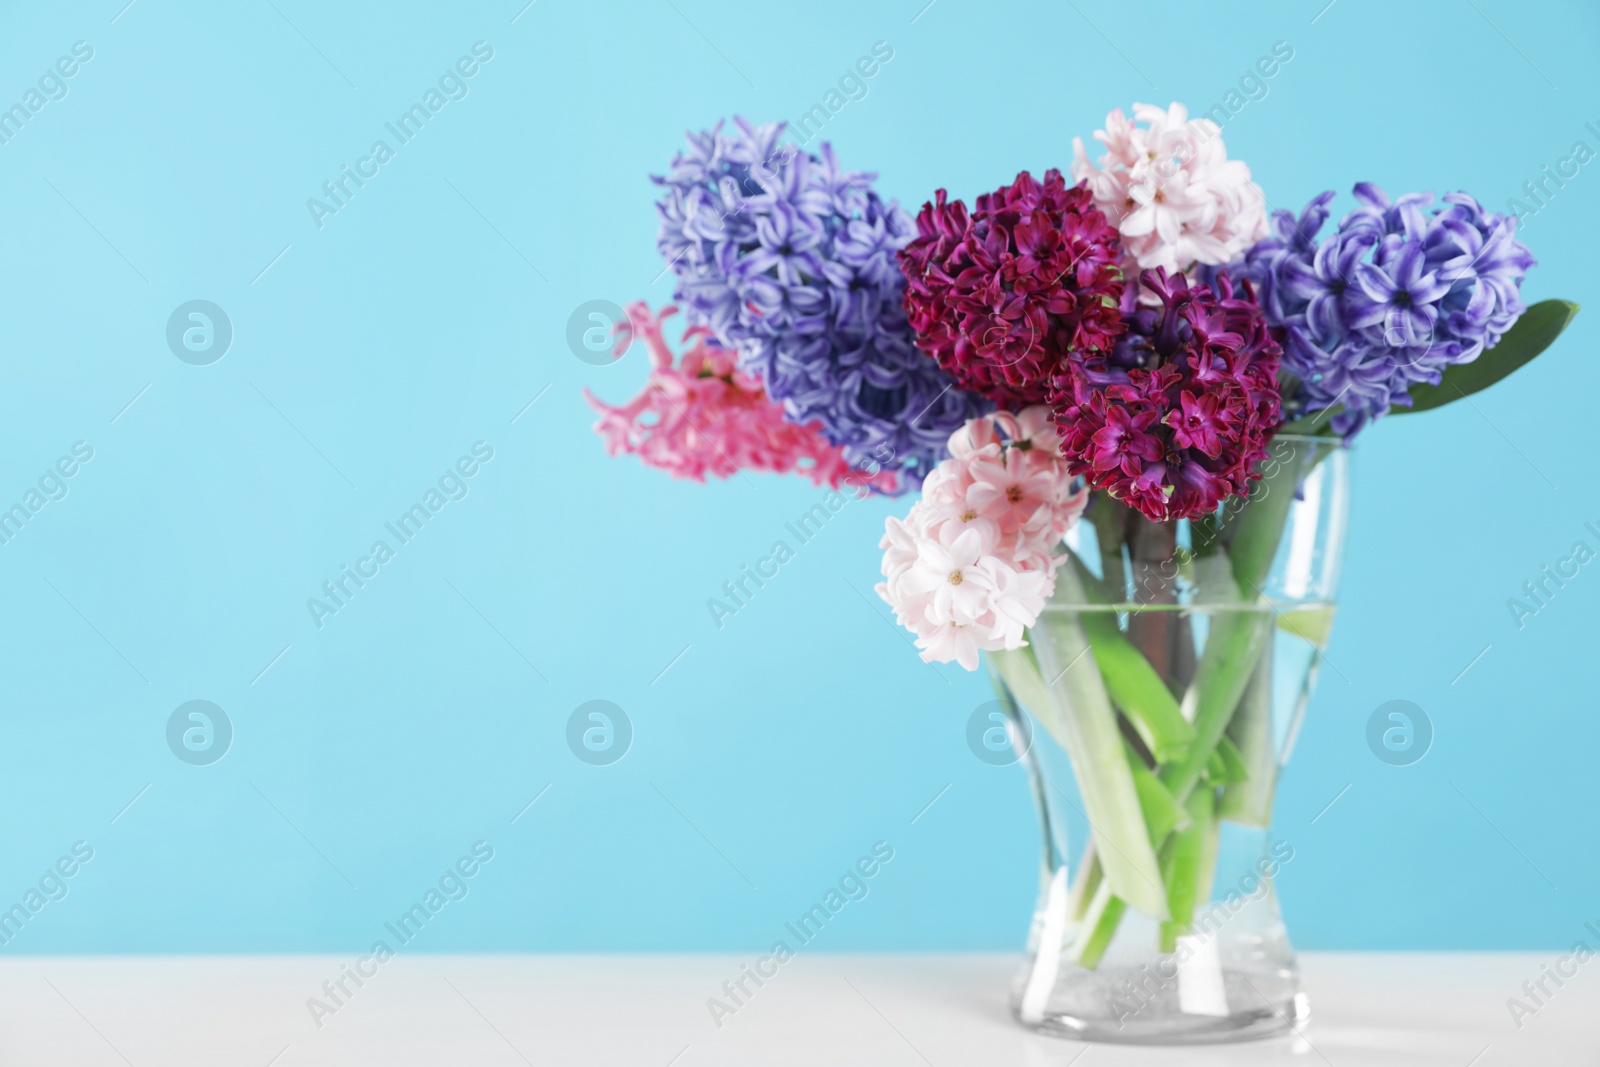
(423, 318)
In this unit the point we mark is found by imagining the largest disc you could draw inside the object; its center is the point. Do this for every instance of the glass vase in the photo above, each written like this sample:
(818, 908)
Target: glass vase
(1160, 694)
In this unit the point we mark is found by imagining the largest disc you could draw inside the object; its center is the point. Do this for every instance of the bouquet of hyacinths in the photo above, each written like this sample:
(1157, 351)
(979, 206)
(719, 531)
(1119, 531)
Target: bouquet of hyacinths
(1110, 395)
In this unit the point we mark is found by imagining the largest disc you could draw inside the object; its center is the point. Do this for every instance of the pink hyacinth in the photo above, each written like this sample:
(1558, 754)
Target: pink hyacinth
(1171, 190)
(705, 416)
(969, 569)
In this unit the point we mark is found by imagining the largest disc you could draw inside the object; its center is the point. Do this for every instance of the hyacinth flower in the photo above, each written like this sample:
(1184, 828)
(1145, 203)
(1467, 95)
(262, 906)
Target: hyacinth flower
(1003, 295)
(1399, 292)
(1175, 419)
(701, 415)
(969, 569)
(789, 260)
(1167, 184)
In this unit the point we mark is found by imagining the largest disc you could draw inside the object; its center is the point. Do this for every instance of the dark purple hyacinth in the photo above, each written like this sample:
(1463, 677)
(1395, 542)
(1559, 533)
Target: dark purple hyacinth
(1004, 295)
(1176, 417)
(790, 261)
(1398, 292)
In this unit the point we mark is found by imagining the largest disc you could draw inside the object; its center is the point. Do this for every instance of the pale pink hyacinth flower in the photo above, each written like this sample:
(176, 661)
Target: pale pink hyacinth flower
(970, 568)
(1171, 190)
(705, 416)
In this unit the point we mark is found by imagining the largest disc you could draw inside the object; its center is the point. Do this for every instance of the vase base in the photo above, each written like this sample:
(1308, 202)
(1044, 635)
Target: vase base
(1103, 1006)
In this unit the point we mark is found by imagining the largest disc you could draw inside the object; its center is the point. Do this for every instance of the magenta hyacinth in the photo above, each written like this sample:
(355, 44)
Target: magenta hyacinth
(1174, 420)
(1003, 296)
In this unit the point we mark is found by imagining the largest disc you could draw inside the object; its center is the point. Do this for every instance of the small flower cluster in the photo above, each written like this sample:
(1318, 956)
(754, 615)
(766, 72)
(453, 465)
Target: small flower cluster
(1175, 196)
(971, 566)
(705, 416)
(790, 261)
(1001, 297)
(1175, 421)
(1399, 291)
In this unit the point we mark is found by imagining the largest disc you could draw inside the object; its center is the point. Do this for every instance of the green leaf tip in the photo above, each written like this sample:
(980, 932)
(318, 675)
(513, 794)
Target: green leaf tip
(1535, 331)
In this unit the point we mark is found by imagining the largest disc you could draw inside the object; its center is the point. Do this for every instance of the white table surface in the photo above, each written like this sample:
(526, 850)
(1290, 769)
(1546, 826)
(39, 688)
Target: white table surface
(650, 1011)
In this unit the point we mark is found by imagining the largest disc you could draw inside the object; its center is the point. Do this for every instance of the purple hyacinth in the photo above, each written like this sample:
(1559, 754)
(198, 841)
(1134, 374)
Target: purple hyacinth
(1400, 291)
(790, 261)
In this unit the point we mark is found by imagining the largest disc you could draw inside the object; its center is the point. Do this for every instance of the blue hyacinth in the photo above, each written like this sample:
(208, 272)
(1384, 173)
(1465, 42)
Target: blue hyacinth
(1398, 292)
(790, 261)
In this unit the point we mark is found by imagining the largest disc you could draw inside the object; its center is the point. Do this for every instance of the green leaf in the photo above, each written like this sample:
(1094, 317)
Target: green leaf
(1315, 424)
(1135, 686)
(1188, 866)
(1534, 332)
(1226, 766)
(1312, 624)
(1162, 812)
(1137, 689)
(1250, 802)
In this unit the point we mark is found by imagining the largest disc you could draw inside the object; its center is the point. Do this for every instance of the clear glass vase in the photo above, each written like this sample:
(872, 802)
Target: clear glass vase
(1160, 695)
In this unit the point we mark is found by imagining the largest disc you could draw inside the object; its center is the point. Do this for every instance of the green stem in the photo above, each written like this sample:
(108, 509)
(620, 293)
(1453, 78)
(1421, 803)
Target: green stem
(1137, 689)
(1099, 927)
(1238, 637)
(1183, 659)
(1152, 547)
(1084, 886)
(1084, 725)
(1110, 521)
(1260, 524)
(1189, 861)
(1162, 812)
(1227, 765)
(1232, 648)
(1081, 716)
(1250, 802)
(1205, 535)
(1162, 815)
